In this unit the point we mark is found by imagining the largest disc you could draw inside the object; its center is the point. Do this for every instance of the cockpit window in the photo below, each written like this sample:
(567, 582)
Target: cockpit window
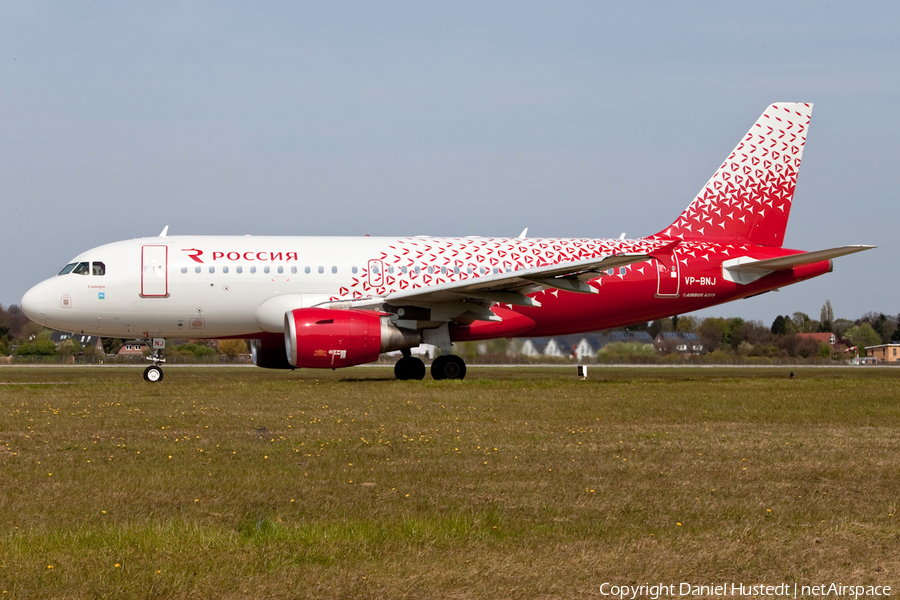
(67, 269)
(98, 268)
(83, 268)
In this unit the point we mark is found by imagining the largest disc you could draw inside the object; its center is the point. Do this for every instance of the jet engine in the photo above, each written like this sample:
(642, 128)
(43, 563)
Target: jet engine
(323, 338)
(268, 353)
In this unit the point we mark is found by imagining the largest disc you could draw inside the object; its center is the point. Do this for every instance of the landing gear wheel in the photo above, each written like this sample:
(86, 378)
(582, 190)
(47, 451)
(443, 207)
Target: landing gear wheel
(409, 367)
(448, 366)
(153, 374)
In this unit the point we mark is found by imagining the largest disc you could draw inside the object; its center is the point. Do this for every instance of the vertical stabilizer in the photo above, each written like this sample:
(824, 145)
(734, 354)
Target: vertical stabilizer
(749, 197)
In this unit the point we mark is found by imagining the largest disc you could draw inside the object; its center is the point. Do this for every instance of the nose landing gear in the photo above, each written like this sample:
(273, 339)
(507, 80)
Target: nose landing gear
(154, 372)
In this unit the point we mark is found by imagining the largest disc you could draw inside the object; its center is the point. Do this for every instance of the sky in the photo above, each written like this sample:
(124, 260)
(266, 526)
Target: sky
(574, 119)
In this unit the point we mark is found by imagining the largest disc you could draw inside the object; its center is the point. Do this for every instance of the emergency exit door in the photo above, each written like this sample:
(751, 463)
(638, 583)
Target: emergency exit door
(667, 278)
(154, 275)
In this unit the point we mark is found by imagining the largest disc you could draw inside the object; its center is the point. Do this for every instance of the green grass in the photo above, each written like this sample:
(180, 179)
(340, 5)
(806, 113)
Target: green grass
(524, 482)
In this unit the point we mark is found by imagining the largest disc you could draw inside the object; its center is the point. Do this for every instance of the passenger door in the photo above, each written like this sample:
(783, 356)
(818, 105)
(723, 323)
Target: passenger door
(154, 274)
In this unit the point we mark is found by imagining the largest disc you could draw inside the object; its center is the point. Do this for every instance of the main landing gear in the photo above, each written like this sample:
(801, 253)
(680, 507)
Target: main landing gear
(448, 366)
(154, 372)
(409, 367)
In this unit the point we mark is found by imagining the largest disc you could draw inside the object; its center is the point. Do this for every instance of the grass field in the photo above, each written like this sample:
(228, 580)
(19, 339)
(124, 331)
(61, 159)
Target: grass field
(525, 483)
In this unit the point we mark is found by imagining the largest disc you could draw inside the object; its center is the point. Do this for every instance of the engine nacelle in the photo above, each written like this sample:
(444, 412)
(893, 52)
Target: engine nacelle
(322, 338)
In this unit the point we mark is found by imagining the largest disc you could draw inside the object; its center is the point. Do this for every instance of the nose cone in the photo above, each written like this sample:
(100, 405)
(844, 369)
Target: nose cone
(34, 303)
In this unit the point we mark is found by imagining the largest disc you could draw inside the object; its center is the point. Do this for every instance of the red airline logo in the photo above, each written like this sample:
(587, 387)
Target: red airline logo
(196, 256)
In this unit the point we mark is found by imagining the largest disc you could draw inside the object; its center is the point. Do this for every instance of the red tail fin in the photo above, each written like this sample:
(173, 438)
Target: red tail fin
(749, 197)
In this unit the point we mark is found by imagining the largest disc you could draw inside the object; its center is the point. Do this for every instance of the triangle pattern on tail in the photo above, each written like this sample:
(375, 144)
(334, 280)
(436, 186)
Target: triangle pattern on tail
(749, 197)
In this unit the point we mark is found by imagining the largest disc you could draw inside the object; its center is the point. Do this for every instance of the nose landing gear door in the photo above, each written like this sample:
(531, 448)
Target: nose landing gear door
(154, 274)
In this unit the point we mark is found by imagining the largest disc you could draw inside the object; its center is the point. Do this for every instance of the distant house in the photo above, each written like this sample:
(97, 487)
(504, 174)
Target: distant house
(640, 337)
(133, 348)
(822, 338)
(557, 348)
(580, 345)
(883, 354)
(679, 342)
(546, 346)
(58, 337)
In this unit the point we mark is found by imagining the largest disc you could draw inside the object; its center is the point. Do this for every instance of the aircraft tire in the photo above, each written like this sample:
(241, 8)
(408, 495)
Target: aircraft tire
(448, 367)
(409, 368)
(153, 374)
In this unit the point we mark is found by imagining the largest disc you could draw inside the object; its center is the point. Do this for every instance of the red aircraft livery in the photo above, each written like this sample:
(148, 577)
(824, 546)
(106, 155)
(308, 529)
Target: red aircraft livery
(331, 302)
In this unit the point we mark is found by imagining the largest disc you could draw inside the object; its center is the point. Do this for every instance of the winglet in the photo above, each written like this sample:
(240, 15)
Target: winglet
(523, 234)
(164, 231)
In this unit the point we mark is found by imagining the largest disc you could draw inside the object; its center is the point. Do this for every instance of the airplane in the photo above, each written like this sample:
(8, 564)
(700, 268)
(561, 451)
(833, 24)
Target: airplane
(333, 302)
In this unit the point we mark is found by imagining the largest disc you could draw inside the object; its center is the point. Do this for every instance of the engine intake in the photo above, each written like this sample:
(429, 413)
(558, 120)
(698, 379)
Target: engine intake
(322, 338)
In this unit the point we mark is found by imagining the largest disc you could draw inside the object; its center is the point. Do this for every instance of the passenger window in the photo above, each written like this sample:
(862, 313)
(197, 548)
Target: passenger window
(82, 269)
(293, 269)
(184, 269)
(354, 270)
(253, 269)
(403, 269)
(390, 269)
(266, 269)
(443, 270)
(197, 269)
(212, 269)
(306, 270)
(469, 269)
(321, 269)
(280, 270)
(334, 269)
(67, 269)
(417, 269)
(430, 269)
(224, 269)
(98, 268)
(239, 269)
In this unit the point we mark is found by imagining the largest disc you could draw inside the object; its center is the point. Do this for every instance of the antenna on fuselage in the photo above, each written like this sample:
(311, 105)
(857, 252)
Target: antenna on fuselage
(164, 231)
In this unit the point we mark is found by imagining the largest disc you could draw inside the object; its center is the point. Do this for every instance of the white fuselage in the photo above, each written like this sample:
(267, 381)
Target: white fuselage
(222, 286)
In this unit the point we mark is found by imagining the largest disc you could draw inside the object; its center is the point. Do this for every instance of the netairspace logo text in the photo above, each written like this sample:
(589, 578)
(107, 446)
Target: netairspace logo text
(782, 590)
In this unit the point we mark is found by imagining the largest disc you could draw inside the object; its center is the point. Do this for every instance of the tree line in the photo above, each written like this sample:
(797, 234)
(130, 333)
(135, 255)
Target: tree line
(736, 336)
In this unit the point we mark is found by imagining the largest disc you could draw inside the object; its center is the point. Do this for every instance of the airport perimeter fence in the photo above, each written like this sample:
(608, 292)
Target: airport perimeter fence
(175, 359)
(484, 360)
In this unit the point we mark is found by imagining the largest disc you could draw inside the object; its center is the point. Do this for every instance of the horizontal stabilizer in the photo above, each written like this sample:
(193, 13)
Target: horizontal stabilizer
(794, 260)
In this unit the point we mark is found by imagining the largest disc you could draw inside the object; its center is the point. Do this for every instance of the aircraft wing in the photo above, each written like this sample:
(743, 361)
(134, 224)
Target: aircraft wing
(511, 287)
(503, 288)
